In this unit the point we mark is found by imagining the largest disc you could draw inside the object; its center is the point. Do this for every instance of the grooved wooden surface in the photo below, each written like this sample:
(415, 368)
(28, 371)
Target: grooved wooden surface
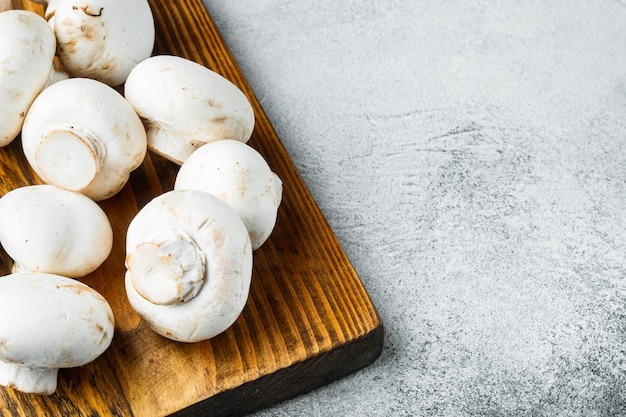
(308, 319)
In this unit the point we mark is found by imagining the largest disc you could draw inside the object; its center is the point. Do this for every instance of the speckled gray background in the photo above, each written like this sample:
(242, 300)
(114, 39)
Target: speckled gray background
(471, 158)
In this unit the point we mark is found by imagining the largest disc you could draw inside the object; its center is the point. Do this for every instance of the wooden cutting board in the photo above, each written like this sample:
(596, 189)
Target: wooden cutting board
(308, 320)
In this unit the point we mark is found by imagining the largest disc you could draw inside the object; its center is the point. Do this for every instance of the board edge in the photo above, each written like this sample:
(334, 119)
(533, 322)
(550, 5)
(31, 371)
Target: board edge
(288, 383)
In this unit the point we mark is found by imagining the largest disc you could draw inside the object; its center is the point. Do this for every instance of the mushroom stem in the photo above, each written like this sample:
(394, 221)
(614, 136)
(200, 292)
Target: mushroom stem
(69, 156)
(30, 379)
(168, 270)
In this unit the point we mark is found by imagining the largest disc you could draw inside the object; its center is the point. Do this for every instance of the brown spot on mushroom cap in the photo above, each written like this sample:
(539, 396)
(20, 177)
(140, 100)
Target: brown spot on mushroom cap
(25, 19)
(69, 46)
(219, 238)
(104, 338)
(88, 11)
(88, 32)
(74, 288)
(215, 104)
(111, 318)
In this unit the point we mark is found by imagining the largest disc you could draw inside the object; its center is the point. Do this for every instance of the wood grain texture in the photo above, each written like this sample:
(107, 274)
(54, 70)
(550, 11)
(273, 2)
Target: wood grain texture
(308, 319)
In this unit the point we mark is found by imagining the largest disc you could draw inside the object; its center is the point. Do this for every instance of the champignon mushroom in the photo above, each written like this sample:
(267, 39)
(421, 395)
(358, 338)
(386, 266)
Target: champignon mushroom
(239, 175)
(185, 105)
(27, 47)
(49, 322)
(82, 135)
(189, 265)
(47, 229)
(102, 39)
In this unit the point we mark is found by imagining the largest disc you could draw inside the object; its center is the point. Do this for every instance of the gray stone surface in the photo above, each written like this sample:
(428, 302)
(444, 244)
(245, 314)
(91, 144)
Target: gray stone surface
(471, 158)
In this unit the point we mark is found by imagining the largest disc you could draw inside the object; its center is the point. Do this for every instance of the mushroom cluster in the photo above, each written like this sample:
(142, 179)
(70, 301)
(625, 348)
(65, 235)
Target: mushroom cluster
(189, 251)
(77, 131)
(56, 233)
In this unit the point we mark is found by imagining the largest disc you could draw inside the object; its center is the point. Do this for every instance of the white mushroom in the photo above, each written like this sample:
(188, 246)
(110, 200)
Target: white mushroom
(26, 55)
(82, 135)
(185, 105)
(47, 229)
(49, 322)
(102, 39)
(239, 175)
(189, 265)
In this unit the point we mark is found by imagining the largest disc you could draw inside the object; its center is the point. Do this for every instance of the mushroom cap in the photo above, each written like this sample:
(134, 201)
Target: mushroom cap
(184, 105)
(27, 47)
(47, 229)
(237, 174)
(82, 135)
(188, 220)
(51, 321)
(103, 39)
